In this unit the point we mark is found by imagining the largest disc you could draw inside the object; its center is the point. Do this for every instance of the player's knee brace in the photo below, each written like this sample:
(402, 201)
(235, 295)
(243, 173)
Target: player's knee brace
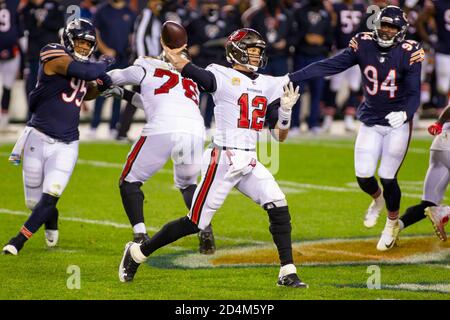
(368, 185)
(280, 228)
(391, 193)
(188, 194)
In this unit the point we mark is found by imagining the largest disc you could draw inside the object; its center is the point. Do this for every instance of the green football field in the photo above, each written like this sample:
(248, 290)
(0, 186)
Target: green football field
(334, 253)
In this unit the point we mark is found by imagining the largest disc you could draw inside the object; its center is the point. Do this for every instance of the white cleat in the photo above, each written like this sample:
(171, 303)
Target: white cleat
(9, 249)
(389, 236)
(372, 214)
(51, 238)
(438, 217)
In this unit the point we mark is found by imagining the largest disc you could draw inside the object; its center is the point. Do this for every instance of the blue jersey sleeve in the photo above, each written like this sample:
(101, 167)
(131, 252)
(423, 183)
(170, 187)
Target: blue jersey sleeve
(326, 67)
(412, 81)
(52, 51)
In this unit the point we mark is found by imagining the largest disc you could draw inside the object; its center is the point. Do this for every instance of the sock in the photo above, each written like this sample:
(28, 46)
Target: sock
(415, 213)
(137, 254)
(139, 228)
(171, 232)
(133, 201)
(52, 223)
(280, 228)
(41, 213)
(19, 240)
(393, 215)
(287, 269)
(188, 194)
(369, 186)
(392, 195)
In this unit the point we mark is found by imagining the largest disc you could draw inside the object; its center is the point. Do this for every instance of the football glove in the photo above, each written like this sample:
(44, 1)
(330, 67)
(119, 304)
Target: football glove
(396, 118)
(114, 91)
(435, 129)
(287, 102)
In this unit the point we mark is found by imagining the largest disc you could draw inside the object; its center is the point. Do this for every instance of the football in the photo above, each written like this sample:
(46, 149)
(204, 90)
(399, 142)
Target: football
(173, 34)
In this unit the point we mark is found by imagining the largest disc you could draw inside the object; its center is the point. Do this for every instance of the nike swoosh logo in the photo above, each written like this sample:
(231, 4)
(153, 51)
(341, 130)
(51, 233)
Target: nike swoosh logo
(390, 244)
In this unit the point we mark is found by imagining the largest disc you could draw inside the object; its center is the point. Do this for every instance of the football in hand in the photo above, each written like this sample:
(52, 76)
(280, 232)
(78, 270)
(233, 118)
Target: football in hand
(173, 35)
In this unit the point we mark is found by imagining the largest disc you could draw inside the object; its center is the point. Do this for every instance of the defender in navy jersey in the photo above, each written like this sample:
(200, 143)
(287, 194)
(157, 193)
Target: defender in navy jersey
(349, 15)
(49, 143)
(390, 69)
(10, 33)
(440, 11)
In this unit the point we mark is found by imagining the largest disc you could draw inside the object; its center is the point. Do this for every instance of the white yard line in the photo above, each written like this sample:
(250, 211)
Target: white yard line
(125, 226)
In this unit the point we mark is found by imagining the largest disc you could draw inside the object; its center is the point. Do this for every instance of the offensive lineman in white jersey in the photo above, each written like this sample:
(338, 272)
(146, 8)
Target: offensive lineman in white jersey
(244, 100)
(436, 181)
(174, 129)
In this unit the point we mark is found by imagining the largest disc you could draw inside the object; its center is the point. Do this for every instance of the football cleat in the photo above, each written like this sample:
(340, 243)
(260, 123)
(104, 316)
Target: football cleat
(372, 214)
(291, 280)
(207, 243)
(10, 249)
(438, 220)
(128, 267)
(389, 236)
(51, 238)
(140, 237)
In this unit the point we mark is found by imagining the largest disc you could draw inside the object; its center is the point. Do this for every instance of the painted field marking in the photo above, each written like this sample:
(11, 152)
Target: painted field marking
(126, 226)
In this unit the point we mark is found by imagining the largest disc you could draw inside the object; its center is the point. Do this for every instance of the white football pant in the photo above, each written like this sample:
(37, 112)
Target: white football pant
(258, 184)
(150, 153)
(47, 166)
(438, 176)
(385, 142)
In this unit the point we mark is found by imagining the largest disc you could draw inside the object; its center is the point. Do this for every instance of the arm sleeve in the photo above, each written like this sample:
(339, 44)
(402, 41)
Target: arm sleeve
(272, 114)
(204, 78)
(134, 98)
(326, 67)
(412, 82)
(131, 75)
(86, 70)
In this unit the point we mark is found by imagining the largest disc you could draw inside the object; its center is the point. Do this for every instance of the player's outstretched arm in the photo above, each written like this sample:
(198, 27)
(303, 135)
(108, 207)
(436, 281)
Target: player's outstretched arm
(436, 128)
(66, 66)
(132, 75)
(132, 97)
(326, 67)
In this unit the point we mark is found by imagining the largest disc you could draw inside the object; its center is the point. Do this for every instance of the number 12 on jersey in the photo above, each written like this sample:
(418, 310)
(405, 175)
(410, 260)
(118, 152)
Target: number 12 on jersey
(258, 114)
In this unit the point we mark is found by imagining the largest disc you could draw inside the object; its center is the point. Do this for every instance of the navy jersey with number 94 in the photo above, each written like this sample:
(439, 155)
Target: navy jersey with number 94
(391, 76)
(56, 100)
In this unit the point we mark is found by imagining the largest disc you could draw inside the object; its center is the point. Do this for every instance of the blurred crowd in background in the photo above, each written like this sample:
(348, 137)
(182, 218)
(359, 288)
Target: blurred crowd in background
(297, 33)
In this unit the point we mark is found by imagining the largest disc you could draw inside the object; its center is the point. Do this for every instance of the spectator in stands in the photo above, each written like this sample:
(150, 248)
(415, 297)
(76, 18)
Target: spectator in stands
(42, 20)
(274, 23)
(207, 37)
(114, 22)
(313, 39)
(147, 32)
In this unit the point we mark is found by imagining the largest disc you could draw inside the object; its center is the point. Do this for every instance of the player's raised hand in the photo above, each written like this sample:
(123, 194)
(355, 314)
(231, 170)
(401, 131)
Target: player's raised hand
(109, 60)
(176, 57)
(435, 129)
(396, 118)
(289, 97)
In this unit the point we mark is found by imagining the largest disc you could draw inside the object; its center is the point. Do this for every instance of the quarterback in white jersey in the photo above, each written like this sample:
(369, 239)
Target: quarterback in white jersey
(174, 129)
(436, 181)
(244, 101)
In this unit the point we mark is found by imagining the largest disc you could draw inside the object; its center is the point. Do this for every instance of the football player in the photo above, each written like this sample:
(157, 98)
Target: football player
(436, 181)
(174, 129)
(50, 140)
(244, 101)
(349, 16)
(11, 35)
(390, 69)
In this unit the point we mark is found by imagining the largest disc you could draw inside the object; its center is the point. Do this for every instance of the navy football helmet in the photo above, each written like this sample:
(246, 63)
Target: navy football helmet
(392, 16)
(238, 43)
(79, 29)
